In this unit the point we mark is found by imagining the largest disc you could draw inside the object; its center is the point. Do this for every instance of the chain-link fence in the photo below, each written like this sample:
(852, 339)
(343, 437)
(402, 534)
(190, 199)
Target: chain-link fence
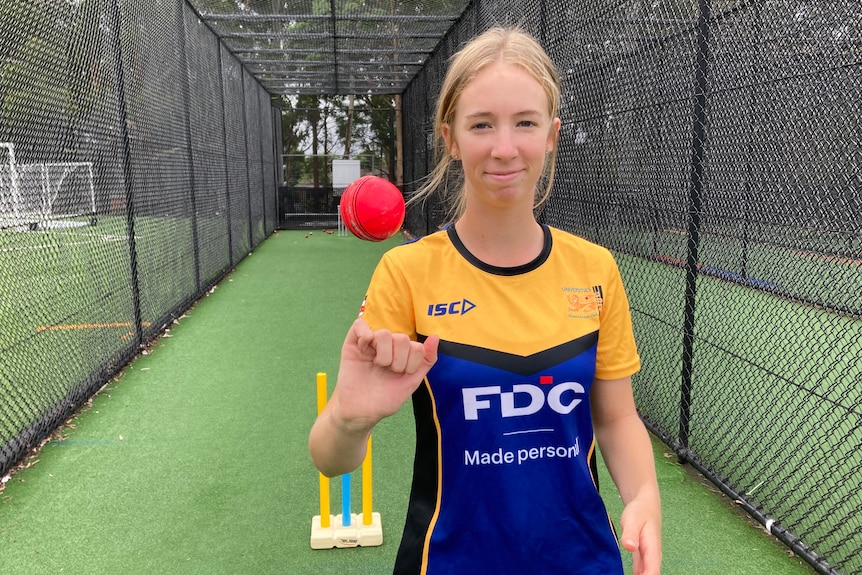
(137, 167)
(715, 147)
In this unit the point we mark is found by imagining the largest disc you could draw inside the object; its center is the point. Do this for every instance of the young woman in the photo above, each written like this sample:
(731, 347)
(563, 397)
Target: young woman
(514, 341)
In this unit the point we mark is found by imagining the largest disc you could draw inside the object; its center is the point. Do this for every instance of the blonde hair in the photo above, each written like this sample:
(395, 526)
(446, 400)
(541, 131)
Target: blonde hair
(498, 44)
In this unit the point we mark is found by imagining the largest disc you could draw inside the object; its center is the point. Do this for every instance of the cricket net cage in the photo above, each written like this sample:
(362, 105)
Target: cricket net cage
(712, 145)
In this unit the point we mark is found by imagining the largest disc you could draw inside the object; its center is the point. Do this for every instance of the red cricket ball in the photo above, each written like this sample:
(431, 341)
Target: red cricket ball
(372, 208)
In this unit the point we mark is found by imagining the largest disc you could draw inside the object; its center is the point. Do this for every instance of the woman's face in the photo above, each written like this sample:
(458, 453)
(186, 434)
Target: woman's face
(502, 132)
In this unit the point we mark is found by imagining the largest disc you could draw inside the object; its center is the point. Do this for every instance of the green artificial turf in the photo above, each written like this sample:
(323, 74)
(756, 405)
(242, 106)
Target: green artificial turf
(195, 459)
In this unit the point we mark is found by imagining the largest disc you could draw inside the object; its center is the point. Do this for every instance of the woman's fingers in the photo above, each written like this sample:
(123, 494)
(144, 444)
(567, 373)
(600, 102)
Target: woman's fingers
(393, 351)
(382, 344)
(397, 352)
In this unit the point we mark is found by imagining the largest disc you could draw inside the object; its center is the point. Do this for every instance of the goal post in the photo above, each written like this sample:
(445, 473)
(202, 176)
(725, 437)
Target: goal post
(9, 194)
(44, 195)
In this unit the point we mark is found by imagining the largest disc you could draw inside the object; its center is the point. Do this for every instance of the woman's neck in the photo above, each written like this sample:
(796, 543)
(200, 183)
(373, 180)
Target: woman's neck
(508, 240)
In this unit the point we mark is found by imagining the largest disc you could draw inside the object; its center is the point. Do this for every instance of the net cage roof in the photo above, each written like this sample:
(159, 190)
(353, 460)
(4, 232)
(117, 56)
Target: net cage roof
(332, 46)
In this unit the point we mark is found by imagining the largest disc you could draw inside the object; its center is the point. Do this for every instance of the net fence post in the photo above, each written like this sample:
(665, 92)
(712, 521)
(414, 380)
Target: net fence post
(247, 166)
(187, 133)
(126, 160)
(695, 207)
(262, 145)
(226, 154)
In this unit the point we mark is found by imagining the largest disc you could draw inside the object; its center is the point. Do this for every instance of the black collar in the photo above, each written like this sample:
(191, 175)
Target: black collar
(497, 270)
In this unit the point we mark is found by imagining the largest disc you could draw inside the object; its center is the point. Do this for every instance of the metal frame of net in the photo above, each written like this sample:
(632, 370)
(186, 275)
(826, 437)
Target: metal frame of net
(332, 46)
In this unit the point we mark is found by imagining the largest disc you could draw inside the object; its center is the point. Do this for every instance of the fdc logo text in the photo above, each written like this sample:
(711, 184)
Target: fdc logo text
(562, 398)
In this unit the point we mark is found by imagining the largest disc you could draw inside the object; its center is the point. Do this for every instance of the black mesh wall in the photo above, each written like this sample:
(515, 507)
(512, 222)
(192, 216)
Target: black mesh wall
(251, 109)
(207, 141)
(269, 162)
(714, 147)
(158, 131)
(136, 161)
(236, 155)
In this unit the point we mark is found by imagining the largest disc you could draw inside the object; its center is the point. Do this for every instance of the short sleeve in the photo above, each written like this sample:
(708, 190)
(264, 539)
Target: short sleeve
(388, 303)
(617, 354)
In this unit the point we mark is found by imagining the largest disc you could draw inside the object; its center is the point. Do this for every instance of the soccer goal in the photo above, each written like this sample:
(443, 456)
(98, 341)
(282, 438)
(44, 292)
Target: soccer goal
(45, 196)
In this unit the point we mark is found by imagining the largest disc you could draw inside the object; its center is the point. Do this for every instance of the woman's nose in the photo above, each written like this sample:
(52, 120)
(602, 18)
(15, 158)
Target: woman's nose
(504, 145)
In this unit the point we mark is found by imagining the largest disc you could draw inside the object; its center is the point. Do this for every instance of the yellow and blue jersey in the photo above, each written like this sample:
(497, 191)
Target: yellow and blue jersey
(504, 473)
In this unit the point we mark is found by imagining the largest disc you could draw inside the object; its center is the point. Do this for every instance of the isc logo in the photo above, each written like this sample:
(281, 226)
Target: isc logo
(531, 398)
(453, 308)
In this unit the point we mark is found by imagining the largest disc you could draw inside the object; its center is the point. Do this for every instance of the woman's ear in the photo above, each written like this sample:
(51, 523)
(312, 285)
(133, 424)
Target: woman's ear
(451, 146)
(554, 136)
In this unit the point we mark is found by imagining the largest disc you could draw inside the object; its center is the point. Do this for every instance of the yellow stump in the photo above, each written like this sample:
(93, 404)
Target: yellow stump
(328, 531)
(367, 493)
(324, 480)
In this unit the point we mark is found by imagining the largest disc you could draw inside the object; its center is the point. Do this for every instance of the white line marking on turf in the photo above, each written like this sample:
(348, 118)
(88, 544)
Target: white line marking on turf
(63, 244)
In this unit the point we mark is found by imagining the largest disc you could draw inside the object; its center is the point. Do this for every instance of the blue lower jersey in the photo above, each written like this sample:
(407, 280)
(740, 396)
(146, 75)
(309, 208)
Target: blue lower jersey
(504, 472)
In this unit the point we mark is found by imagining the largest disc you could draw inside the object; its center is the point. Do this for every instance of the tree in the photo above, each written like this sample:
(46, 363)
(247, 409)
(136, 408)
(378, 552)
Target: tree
(48, 74)
(378, 131)
(294, 132)
(308, 111)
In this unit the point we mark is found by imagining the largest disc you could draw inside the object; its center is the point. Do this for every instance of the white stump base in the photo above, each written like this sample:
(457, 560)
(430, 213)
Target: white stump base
(337, 535)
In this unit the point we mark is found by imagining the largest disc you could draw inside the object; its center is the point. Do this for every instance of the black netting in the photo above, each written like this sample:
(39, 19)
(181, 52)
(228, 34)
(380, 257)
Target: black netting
(125, 191)
(333, 47)
(207, 139)
(239, 181)
(715, 148)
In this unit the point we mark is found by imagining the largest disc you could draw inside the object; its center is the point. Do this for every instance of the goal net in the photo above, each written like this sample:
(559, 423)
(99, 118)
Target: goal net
(46, 195)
